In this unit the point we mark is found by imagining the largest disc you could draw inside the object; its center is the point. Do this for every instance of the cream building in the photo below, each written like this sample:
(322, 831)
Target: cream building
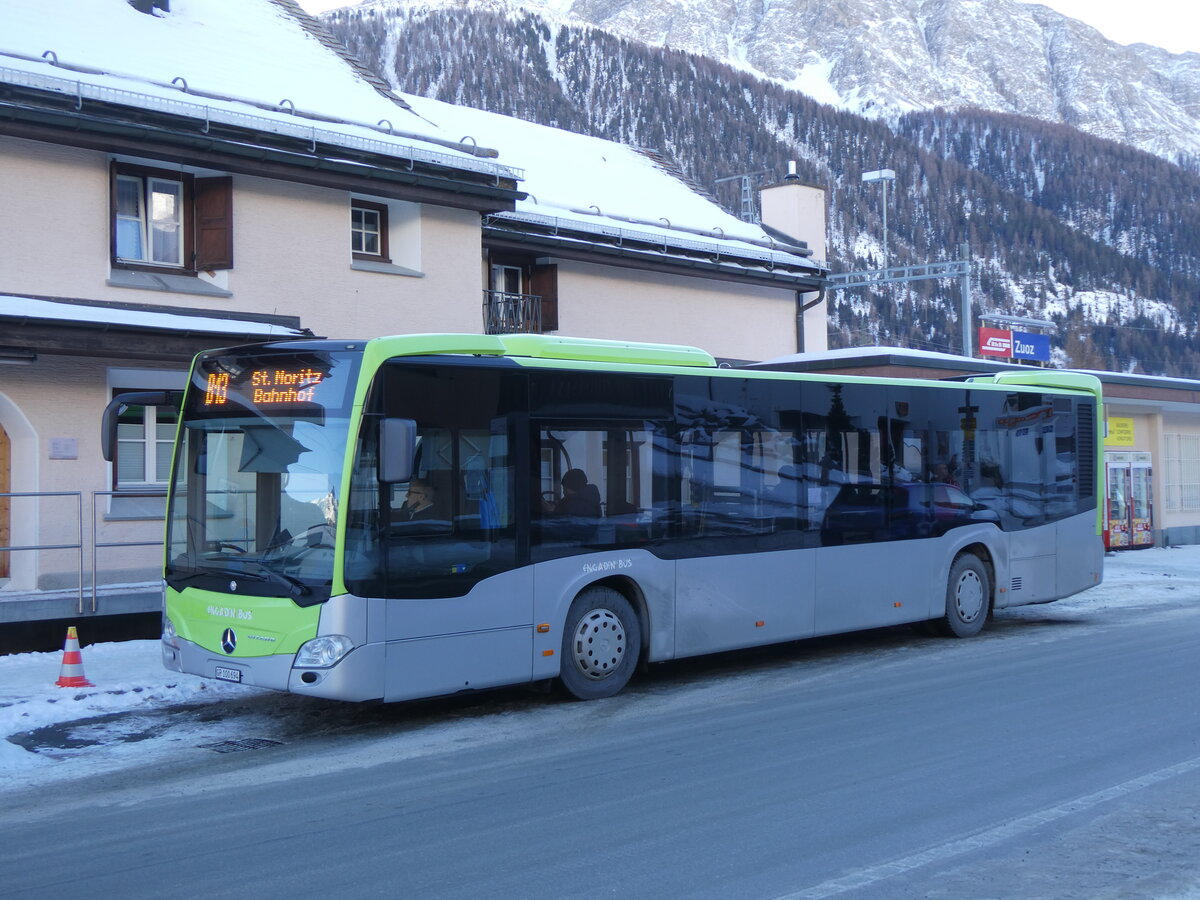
(214, 172)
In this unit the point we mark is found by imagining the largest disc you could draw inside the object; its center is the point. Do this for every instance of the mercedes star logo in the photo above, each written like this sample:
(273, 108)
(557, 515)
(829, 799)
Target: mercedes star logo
(233, 587)
(228, 640)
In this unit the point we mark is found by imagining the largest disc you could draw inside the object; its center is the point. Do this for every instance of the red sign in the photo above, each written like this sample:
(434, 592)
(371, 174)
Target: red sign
(995, 342)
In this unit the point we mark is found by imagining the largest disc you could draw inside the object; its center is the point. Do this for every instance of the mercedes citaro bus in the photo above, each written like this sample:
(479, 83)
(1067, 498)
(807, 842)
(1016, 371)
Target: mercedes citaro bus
(420, 515)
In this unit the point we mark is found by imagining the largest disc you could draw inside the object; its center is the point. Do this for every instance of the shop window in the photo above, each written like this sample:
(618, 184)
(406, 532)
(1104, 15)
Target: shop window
(1182, 486)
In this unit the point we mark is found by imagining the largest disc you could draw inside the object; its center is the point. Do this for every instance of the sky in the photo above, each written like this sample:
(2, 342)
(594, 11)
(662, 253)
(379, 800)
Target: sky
(1171, 24)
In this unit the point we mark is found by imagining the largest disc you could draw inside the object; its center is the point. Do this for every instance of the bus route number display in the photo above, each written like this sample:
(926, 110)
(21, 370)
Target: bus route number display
(267, 387)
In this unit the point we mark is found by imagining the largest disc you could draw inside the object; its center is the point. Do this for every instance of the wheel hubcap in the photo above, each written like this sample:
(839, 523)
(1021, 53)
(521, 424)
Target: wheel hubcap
(599, 644)
(968, 597)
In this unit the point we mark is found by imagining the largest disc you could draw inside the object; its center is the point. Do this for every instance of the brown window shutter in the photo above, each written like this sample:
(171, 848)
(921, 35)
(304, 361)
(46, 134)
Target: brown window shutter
(214, 223)
(543, 281)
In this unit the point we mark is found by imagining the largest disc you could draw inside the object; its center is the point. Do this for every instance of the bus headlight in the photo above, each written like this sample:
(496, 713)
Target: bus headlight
(323, 652)
(169, 637)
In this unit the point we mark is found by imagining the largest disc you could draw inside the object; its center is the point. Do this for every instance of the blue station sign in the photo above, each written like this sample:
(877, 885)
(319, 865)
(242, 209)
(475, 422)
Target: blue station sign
(1030, 346)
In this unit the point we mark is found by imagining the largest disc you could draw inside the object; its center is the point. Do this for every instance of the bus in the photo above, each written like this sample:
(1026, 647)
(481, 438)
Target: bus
(421, 515)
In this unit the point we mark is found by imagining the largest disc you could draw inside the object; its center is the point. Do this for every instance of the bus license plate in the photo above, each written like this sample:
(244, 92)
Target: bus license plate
(226, 674)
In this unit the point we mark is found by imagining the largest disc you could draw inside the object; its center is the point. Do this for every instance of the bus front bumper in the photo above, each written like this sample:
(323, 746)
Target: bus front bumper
(357, 676)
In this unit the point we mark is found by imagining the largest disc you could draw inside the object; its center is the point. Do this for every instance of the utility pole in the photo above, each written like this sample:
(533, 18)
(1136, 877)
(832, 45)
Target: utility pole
(964, 284)
(958, 268)
(747, 214)
(883, 176)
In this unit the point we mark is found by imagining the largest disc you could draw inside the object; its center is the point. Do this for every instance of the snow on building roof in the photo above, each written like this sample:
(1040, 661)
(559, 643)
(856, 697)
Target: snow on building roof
(591, 184)
(243, 62)
(874, 354)
(41, 309)
(264, 65)
(881, 356)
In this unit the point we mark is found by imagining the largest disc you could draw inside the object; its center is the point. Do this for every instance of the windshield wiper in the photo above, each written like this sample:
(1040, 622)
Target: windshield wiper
(174, 579)
(236, 566)
(297, 587)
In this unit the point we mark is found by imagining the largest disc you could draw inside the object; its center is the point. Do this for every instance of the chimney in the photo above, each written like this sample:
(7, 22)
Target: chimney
(798, 210)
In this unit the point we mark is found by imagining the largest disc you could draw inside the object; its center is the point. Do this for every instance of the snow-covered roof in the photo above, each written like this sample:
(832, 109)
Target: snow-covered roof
(263, 65)
(40, 309)
(242, 62)
(916, 357)
(590, 184)
(880, 356)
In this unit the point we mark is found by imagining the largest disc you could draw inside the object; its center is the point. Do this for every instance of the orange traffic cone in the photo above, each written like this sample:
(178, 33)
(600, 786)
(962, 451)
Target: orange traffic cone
(71, 674)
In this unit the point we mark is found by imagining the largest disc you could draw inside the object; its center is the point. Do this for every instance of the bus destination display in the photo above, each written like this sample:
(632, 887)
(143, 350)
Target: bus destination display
(266, 387)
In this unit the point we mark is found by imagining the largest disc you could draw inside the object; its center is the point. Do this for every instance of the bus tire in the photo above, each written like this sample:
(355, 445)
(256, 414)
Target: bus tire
(602, 640)
(968, 597)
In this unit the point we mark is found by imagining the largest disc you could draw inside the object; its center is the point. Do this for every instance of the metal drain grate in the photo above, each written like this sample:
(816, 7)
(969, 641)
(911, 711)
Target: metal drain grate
(240, 744)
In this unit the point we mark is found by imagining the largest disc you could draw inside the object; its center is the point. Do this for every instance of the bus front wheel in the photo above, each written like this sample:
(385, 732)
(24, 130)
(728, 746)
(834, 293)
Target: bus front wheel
(601, 644)
(968, 597)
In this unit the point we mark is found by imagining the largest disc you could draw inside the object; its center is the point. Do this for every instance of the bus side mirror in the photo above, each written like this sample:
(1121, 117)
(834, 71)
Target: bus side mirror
(118, 405)
(397, 449)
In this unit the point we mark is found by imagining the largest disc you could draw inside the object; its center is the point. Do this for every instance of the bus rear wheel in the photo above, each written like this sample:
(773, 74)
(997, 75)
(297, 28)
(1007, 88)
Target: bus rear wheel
(968, 597)
(601, 644)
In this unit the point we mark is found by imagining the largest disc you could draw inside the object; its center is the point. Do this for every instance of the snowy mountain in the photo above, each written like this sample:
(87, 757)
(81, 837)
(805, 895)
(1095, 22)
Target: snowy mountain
(887, 57)
(1096, 236)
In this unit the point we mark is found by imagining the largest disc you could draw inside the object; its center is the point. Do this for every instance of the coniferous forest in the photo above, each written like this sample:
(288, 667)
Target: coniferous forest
(1100, 238)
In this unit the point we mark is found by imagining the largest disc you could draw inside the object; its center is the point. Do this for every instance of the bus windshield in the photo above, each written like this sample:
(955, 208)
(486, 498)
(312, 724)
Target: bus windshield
(254, 499)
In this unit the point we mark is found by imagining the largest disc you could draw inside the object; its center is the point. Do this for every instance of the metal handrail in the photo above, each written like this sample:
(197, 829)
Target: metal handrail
(109, 544)
(78, 545)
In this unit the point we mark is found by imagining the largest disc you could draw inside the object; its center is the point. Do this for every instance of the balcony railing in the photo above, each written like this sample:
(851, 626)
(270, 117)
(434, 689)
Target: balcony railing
(508, 313)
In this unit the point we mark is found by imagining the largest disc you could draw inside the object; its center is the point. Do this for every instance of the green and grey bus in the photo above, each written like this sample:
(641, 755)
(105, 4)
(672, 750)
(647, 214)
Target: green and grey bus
(420, 515)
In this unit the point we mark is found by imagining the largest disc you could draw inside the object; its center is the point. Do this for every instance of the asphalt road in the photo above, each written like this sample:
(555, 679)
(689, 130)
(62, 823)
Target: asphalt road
(1055, 756)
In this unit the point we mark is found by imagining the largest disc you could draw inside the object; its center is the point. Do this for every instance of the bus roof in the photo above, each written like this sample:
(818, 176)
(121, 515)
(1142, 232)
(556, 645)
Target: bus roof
(541, 350)
(543, 346)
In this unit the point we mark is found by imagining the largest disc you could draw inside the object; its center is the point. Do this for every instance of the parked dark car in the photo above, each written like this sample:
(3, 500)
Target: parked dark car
(896, 512)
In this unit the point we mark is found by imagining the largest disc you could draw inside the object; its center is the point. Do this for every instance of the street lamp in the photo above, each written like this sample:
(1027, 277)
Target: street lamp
(883, 175)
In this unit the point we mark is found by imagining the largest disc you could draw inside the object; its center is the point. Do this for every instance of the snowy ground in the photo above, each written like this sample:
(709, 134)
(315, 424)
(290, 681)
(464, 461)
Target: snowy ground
(139, 714)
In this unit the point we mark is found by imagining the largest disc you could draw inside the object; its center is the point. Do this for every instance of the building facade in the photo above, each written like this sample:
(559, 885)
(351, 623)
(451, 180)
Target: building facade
(236, 178)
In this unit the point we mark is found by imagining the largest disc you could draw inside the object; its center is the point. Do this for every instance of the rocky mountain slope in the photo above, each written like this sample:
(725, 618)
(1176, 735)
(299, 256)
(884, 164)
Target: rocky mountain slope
(1100, 238)
(886, 57)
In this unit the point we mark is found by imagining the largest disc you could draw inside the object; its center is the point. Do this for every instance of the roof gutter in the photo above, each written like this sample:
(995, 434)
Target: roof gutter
(583, 247)
(242, 151)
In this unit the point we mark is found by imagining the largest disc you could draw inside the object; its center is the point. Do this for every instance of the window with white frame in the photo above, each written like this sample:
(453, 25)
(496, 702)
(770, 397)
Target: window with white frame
(145, 437)
(149, 220)
(174, 221)
(1182, 484)
(369, 230)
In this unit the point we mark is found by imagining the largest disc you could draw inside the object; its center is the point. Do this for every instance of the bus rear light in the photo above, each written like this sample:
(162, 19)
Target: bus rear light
(323, 652)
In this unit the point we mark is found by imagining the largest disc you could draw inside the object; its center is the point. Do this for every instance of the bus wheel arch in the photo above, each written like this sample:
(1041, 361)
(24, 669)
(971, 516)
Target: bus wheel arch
(970, 592)
(632, 592)
(602, 642)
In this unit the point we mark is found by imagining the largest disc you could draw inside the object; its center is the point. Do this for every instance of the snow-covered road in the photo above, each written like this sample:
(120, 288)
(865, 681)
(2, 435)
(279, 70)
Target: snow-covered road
(140, 714)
